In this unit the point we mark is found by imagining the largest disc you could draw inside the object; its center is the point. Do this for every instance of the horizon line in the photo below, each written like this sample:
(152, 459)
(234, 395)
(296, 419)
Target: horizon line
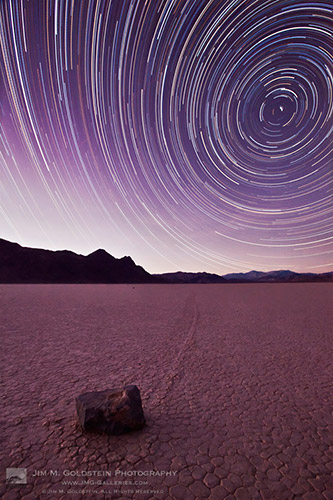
(167, 272)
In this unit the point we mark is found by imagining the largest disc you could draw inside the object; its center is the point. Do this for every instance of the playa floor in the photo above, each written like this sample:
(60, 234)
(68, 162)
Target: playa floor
(235, 380)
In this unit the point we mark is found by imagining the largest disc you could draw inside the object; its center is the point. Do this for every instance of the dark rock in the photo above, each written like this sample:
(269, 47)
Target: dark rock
(113, 411)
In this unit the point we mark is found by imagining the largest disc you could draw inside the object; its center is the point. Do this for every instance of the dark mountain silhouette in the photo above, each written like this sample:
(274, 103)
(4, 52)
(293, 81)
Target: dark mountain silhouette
(182, 277)
(31, 265)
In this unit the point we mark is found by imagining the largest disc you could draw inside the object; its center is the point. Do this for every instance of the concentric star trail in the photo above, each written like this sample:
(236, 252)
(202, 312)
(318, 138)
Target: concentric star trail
(185, 133)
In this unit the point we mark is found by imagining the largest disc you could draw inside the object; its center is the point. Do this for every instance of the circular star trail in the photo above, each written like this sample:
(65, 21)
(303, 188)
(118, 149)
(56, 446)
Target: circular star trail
(191, 135)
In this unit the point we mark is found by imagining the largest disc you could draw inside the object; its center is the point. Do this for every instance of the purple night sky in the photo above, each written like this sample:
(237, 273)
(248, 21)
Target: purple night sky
(189, 134)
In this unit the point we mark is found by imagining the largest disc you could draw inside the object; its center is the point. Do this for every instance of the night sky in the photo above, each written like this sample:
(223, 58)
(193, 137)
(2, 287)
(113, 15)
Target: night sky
(189, 134)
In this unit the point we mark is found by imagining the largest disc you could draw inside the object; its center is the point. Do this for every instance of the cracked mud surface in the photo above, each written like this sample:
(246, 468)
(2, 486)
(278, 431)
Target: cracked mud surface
(236, 384)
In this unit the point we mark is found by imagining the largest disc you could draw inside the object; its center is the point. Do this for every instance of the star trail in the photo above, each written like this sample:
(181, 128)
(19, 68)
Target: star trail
(189, 134)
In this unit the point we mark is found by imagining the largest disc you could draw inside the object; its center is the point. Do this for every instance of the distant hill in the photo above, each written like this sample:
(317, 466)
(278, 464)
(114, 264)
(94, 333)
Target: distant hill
(282, 276)
(250, 277)
(182, 277)
(31, 265)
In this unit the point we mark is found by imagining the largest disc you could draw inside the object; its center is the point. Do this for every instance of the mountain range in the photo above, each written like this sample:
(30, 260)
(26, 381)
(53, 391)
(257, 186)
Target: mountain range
(32, 265)
(282, 276)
